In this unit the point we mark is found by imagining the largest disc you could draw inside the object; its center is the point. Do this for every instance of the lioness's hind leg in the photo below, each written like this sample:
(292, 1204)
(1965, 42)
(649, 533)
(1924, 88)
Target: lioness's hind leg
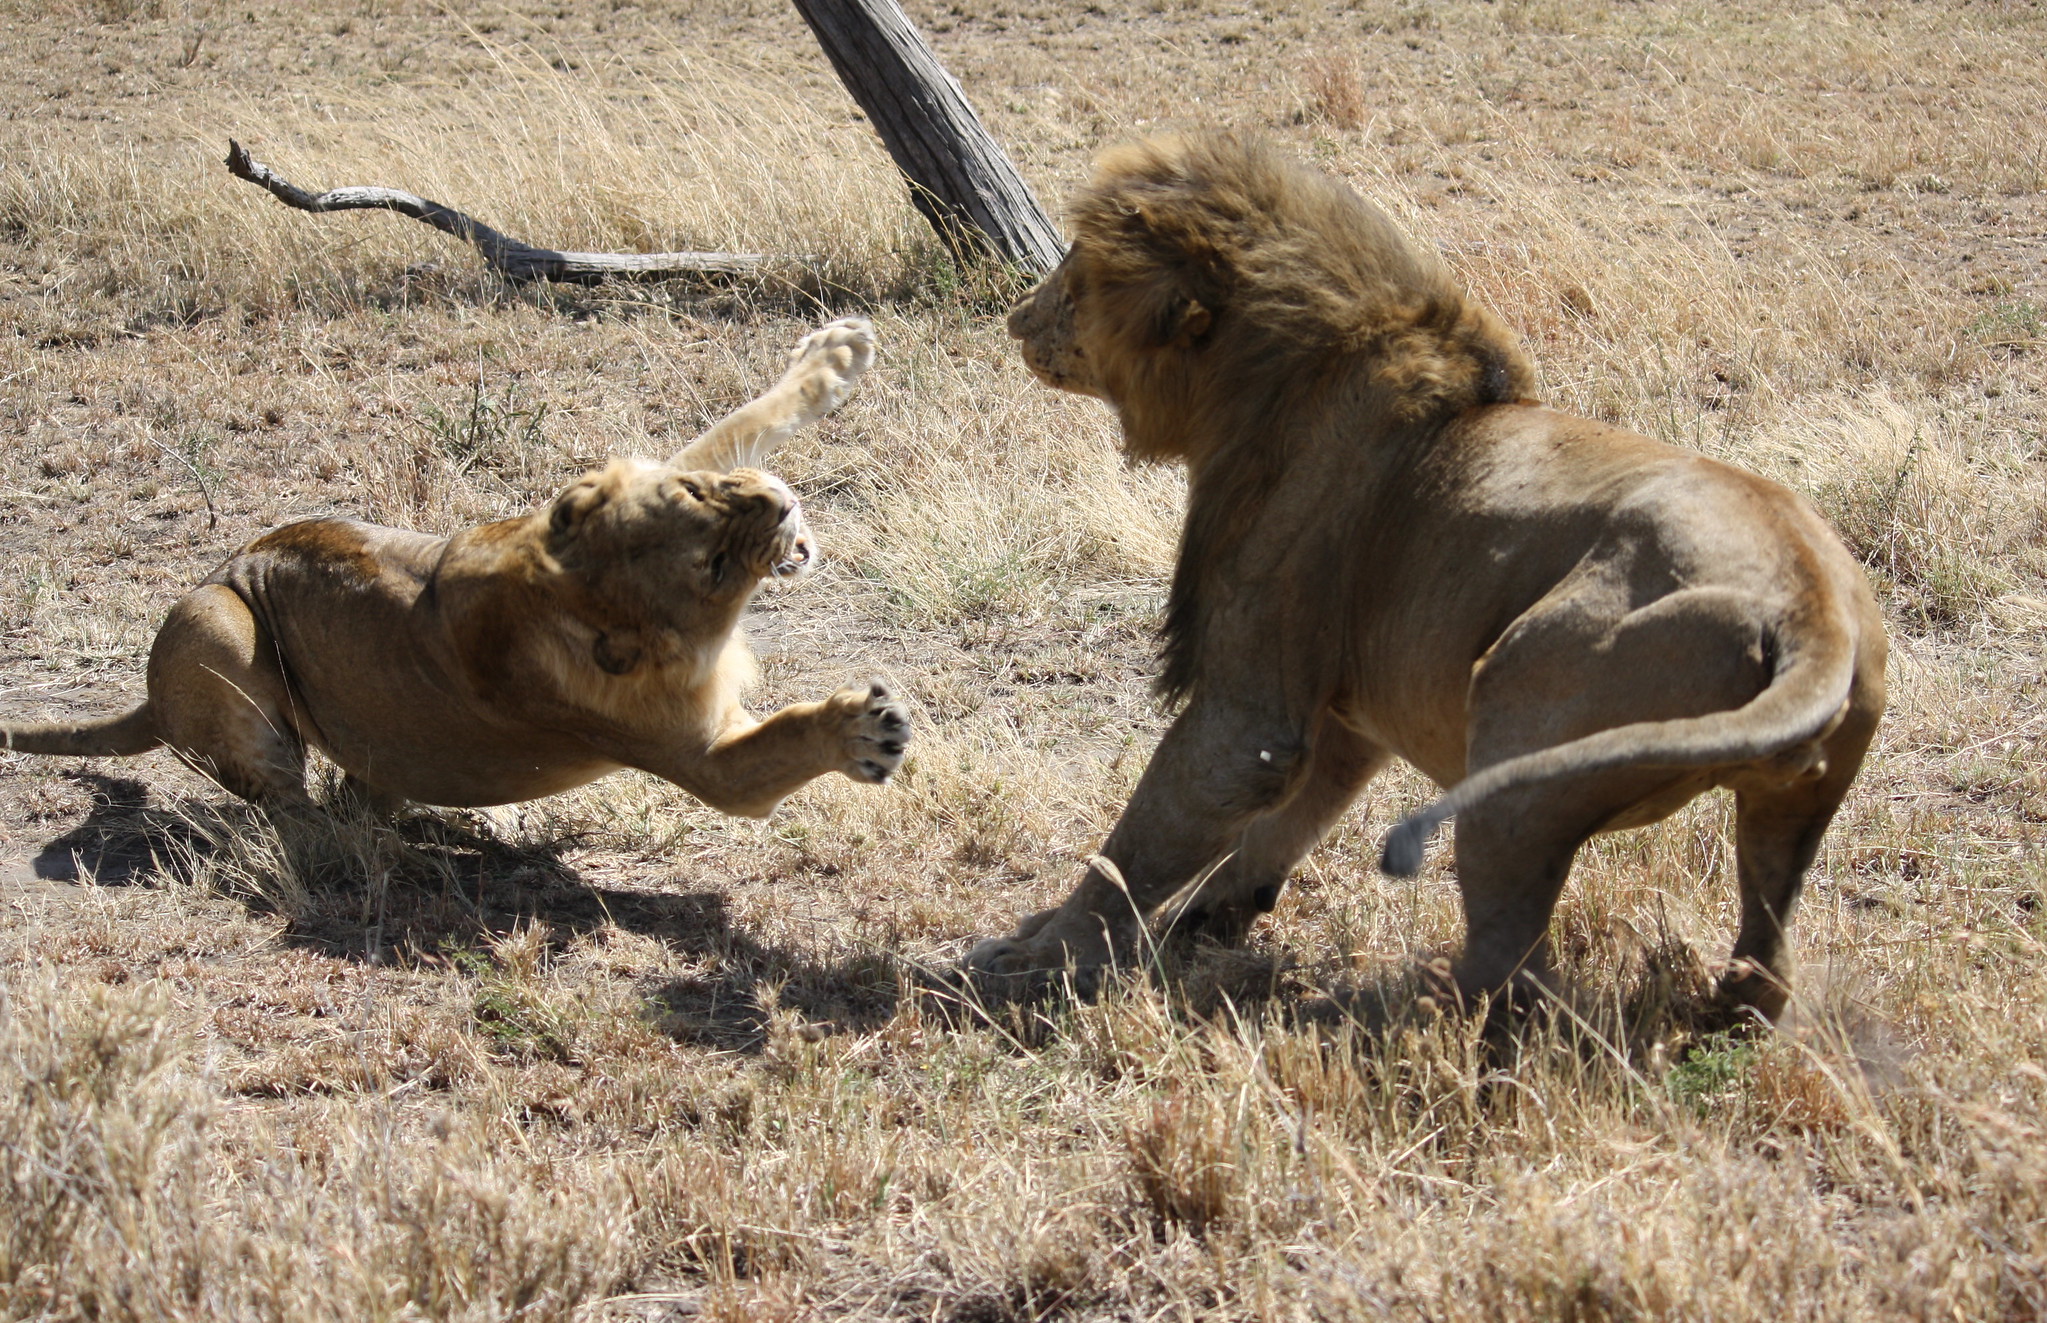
(823, 369)
(221, 701)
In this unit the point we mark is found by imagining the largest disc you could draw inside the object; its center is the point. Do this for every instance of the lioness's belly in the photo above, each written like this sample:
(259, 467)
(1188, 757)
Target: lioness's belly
(464, 762)
(372, 675)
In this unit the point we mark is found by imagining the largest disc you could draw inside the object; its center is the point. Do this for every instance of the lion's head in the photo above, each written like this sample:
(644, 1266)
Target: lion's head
(1209, 276)
(1235, 308)
(678, 552)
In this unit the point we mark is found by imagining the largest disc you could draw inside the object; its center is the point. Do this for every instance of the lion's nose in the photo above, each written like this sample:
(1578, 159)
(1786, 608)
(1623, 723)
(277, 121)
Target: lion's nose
(778, 496)
(1020, 316)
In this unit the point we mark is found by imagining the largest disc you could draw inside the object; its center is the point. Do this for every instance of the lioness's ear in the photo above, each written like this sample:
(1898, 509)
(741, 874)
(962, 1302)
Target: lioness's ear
(575, 505)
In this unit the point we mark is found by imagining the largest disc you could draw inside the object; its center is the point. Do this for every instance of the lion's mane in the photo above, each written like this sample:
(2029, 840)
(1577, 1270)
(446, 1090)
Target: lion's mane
(1313, 307)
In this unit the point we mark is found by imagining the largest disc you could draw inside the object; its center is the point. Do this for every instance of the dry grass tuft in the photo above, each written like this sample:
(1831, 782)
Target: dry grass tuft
(1336, 92)
(1950, 514)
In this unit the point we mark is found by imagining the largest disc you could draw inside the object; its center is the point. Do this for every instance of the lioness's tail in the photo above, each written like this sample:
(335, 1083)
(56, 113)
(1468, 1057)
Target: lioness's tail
(108, 737)
(1803, 701)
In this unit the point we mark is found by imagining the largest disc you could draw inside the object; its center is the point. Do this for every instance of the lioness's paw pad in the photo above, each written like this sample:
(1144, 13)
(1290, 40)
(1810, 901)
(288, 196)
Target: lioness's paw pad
(876, 731)
(826, 364)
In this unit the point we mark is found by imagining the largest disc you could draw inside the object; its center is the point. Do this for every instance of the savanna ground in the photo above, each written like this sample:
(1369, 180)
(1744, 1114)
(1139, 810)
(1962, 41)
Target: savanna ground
(613, 1056)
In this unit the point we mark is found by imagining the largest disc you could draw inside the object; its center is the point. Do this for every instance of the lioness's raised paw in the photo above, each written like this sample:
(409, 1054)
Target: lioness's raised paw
(874, 731)
(826, 364)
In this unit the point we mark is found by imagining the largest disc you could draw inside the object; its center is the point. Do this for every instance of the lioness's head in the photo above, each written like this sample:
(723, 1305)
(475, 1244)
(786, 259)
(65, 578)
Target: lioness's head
(1209, 276)
(657, 538)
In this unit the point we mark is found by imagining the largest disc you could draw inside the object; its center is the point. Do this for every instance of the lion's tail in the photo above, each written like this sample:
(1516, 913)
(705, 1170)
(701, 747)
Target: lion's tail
(1804, 700)
(108, 737)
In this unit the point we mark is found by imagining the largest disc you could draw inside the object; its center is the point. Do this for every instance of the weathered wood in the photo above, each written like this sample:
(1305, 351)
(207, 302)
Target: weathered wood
(960, 178)
(514, 260)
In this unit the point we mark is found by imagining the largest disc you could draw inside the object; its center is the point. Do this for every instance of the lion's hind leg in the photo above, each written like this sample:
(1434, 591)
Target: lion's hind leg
(1578, 663)
(1778, 823)
(221, 701)
(1514, 853)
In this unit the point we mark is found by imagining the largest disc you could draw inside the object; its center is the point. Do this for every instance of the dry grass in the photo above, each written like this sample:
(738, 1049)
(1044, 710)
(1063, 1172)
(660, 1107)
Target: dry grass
(610, 1055)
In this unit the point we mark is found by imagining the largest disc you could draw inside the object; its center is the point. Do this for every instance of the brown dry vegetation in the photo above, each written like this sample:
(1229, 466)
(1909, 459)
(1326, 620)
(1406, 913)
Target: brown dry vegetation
(614, 1056)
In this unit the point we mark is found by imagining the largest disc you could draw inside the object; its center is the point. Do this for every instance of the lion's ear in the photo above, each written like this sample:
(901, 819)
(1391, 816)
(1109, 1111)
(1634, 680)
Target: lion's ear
(575, 505)
(1180, 321)
(615, 654)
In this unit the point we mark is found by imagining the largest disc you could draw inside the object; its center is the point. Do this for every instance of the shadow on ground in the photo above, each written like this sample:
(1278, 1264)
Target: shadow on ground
(433, 886)
(112, 847)
(430, 885)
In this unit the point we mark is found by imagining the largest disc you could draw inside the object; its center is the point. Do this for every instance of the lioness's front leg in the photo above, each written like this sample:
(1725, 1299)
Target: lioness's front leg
(823, 369)
(753, 766)
(1217, 770)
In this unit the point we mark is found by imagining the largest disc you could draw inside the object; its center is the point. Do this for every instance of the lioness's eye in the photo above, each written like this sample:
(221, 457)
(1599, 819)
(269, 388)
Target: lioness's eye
(718, 563)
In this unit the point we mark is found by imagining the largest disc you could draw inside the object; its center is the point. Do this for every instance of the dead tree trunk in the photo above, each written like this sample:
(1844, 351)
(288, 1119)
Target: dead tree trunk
(510, 258)
(959, 176)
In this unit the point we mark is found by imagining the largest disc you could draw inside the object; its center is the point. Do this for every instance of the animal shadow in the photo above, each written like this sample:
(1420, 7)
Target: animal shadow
(1661, 1005)
(430, 885)
(120, 841)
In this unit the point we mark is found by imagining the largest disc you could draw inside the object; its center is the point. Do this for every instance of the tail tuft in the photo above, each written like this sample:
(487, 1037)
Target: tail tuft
(1405, 844)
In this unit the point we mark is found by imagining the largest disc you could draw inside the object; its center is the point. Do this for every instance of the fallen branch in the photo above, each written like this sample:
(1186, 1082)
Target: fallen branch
(507, 256)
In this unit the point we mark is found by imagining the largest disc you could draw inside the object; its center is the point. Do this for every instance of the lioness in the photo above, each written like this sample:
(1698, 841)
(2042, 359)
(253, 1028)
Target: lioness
(523, 657)
(1392, 550)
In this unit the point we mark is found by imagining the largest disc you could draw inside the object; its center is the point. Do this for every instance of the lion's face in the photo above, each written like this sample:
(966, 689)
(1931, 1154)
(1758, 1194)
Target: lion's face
(661, 535)
(1045, 321)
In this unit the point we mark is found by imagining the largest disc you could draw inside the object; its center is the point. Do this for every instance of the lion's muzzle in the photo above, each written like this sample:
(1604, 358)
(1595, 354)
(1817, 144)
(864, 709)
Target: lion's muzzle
(1043, 321)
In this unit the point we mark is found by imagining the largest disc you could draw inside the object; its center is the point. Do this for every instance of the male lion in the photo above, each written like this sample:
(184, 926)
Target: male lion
(523, 657)
(1391, 549)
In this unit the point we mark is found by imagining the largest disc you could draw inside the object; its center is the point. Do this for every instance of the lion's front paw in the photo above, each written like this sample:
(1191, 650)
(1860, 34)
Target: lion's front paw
(1045, 945)
(827, 363)
(874, 731)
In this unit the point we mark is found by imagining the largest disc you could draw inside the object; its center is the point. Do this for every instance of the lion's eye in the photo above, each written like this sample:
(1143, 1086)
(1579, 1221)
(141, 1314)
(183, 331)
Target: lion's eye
(718, 564)
(694, 492)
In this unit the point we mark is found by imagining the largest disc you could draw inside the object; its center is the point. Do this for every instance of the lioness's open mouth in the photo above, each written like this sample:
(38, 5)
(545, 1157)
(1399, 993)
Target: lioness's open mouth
(797, 562)
(796, 550)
